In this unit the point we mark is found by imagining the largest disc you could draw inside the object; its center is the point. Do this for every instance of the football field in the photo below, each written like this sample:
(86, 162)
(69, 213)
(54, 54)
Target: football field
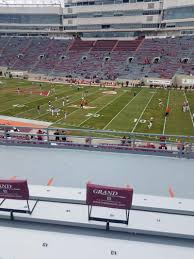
(123, 109)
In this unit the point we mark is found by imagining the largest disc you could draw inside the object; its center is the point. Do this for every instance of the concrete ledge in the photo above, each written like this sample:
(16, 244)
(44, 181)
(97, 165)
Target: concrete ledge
(74, 215)
(140, 201)
(163, 221)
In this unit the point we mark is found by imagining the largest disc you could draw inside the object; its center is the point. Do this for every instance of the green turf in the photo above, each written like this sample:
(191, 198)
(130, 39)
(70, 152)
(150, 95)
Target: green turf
(128, 110)
(156, 112)
(178, 122)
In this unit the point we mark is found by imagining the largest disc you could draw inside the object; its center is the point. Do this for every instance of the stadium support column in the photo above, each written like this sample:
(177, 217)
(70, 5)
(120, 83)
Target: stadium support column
(61, 13)
(161, 13)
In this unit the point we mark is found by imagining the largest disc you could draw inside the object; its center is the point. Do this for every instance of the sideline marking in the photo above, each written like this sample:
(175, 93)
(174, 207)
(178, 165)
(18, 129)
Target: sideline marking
(189, 109)
(165, 119)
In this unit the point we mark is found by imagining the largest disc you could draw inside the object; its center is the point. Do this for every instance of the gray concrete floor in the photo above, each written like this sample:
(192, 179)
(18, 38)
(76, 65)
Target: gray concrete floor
(73, 168)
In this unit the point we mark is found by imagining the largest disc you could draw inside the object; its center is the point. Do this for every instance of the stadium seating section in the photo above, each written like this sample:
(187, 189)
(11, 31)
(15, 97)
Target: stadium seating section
(101, 59)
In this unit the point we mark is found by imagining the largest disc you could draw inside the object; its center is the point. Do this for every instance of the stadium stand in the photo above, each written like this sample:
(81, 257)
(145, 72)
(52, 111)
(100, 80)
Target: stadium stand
(101, 59)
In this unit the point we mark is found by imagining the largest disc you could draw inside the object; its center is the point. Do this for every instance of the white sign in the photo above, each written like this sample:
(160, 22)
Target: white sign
(159, 81)
(18, 73)
(188, 81)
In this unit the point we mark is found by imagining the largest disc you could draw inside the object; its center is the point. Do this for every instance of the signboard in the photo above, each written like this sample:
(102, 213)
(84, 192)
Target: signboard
(159, 82)
(188, 81)
(14, 189)
(110, 197)
(18, 73)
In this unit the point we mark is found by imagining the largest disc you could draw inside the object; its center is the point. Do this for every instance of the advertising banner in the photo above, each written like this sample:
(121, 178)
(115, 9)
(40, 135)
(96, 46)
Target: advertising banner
(160, 82)
(14, 189)
(110, 197)
(188, 81)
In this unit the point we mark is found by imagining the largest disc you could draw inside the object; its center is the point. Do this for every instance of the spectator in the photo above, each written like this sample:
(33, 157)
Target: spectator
(64, 138)
(7, 134)
(15, 129)
(56, 133)
(129, 140)
(163, 143)
(123, 141)
(180, 147)
(27, 137)
(39, 137)
(88, 140)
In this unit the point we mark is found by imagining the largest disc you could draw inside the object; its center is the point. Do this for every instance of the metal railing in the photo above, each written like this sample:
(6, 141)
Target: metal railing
(157, 144)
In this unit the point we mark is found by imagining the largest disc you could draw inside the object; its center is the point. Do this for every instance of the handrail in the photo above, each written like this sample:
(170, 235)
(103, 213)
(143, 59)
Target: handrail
(70, 137)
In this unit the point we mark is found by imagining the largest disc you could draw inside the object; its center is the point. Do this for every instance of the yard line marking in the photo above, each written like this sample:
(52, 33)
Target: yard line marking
(42, 98)
(102, 108)
(15, 99)
(171, 193)
(43, 114)
(21, 103)
(120, 111)
(165, 119)
(79, 109)
(42, 105)
(76, 109)
(50, 182)
(189, 109)
(143, 112)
